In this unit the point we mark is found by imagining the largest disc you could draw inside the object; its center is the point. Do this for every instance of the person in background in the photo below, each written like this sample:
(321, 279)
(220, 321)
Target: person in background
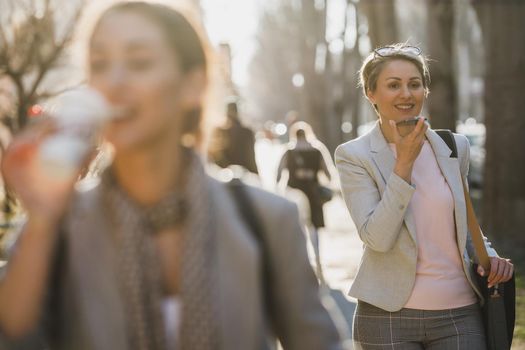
(154, 254)
(404, 193)
(234, 143)
(305, 158)
(290, 119)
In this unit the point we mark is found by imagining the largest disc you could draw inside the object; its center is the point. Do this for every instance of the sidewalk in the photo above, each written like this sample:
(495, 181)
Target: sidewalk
(340, 251)
(340, 245)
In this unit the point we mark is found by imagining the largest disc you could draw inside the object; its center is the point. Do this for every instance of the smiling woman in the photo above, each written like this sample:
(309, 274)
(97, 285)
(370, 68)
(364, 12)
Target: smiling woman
(405, 196)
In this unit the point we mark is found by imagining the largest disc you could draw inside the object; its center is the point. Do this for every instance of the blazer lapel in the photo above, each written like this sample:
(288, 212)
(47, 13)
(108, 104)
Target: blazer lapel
(94, 272)
(385, 161)
(236, 258)
(381, 153)
(451, 171)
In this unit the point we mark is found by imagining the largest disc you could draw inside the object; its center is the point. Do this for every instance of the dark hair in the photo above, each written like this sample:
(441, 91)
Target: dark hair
(301, 129)
(181, 35)
(232, 110)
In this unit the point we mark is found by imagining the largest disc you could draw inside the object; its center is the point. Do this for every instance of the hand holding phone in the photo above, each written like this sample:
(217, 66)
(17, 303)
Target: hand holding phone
(410, 122)
(405, 127)
(408, 136)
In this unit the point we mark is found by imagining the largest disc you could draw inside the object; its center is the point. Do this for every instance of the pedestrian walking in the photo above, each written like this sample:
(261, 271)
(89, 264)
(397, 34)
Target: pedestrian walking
(404, 193)
(305, 158)
(154, 255)
(233, 143)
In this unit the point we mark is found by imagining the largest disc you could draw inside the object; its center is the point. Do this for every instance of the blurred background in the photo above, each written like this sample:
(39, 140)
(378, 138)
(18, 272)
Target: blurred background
(279, 56)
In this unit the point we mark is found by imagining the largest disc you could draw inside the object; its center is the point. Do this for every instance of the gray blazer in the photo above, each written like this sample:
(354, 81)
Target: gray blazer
(92, 314)
(378, 203)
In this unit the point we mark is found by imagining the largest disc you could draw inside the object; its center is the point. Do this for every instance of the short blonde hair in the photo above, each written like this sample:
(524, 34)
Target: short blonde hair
(373, 64)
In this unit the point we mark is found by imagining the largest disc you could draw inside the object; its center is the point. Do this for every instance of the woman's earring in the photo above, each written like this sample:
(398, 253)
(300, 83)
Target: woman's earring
(188, 140)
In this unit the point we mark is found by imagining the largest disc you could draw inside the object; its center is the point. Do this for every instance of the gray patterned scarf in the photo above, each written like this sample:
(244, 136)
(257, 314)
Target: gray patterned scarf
(139, 264)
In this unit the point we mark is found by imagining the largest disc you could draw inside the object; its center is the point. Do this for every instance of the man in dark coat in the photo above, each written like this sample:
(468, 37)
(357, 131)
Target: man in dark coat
(233, 144)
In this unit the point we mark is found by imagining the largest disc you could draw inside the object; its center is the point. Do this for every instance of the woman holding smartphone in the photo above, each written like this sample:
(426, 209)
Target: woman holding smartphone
(405, 195)
(155, 255)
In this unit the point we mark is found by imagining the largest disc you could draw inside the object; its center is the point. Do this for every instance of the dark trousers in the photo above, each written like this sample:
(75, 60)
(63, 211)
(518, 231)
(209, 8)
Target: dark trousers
(311, 189)
(410, 329)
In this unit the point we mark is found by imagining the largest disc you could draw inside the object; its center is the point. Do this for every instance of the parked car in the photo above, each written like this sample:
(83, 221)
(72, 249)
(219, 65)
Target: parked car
(475, 133)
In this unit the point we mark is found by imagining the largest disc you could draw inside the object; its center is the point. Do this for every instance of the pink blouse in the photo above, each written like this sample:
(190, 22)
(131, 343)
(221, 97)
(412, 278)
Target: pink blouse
(440, 280)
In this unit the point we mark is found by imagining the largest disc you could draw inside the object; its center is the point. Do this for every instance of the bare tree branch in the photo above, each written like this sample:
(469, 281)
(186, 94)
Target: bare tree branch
(33, 43)
(28, 59)
(6, 92)
(55, 54)
(49, 94)
(4, 44)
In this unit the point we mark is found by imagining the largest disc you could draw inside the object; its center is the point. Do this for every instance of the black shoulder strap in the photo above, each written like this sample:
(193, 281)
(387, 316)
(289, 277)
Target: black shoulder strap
(245, 207)
(448, 137)
(249, 215)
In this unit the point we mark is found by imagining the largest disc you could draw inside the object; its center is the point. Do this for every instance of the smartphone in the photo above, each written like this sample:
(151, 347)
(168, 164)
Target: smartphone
(408, 122)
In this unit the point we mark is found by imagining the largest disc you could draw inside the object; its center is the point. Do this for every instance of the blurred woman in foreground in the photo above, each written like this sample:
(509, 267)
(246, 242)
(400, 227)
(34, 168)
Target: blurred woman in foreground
(154, 255)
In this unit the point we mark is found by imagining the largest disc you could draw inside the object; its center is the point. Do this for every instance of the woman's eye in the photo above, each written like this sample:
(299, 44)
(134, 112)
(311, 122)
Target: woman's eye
(415, 85)
(139, 64)
(393, 86)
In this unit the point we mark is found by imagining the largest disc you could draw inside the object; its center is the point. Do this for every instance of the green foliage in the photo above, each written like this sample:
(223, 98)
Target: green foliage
(519, 331)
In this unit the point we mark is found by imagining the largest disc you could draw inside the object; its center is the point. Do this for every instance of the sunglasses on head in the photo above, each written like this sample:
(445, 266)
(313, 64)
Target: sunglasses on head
(386, 51)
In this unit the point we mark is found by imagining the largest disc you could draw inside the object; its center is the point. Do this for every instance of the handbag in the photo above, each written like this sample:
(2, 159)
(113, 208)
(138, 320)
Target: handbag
(325, 194)
(499, 309)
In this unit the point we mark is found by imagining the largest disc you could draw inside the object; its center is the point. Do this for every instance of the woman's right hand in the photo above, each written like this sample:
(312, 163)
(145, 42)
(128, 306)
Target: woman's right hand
(408, 148)
(43, 196)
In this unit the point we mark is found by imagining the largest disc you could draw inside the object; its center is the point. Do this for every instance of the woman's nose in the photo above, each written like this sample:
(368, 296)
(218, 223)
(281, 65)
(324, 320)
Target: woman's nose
(405, 92)
(114, 83)
(116, 77)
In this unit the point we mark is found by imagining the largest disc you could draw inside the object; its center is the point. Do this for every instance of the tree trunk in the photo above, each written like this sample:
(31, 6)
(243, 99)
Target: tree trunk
(315, 85)
(442, 104)
(351, 63)
(504, 185)
(382, 23)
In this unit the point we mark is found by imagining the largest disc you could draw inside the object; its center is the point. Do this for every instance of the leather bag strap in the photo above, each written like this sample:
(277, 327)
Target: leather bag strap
(475, 232)
(473, 225)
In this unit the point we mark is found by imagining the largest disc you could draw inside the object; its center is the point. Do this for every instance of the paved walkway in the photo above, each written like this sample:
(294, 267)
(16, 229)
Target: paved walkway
(340, 246)
(340, 252)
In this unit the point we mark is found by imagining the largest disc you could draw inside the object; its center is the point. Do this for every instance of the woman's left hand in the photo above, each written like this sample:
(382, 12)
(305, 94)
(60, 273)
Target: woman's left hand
(501, 270)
